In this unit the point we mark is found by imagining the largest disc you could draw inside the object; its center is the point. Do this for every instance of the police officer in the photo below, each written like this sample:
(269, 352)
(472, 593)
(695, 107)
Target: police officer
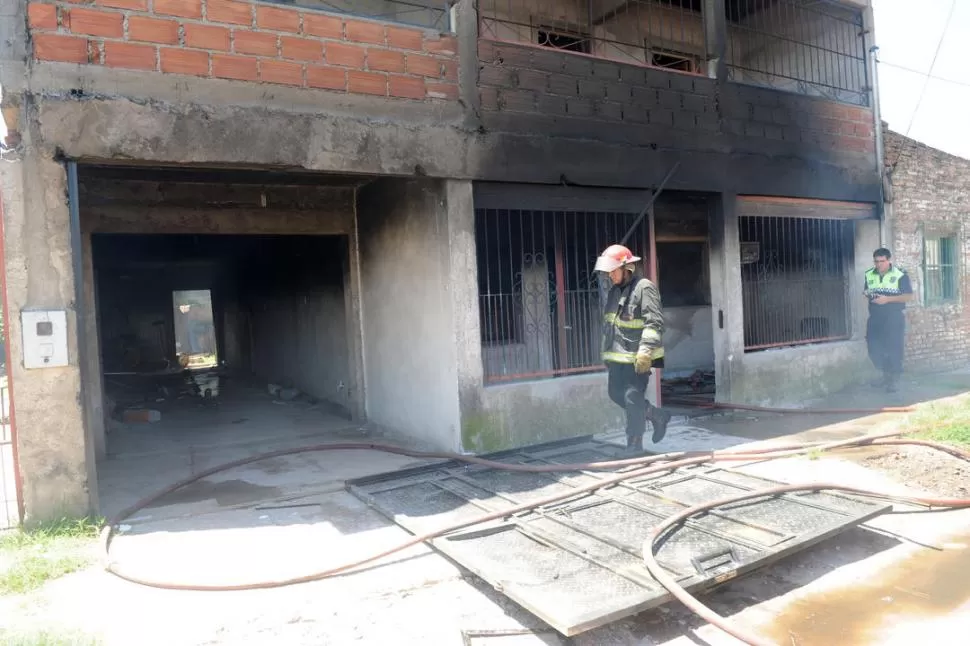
(888, 289)
(633, 330)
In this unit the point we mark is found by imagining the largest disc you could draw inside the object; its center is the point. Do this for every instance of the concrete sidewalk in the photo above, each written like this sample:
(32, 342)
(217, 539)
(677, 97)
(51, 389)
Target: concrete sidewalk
(290, 516)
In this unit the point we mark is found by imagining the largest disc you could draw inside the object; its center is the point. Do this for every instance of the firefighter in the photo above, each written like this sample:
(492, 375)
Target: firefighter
(632, 344)
(888, 289)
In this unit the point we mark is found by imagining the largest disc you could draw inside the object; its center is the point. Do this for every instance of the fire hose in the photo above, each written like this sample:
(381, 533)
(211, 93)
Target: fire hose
(643, 466)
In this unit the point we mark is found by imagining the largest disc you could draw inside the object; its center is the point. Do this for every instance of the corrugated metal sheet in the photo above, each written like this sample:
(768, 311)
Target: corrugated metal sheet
(577, 564)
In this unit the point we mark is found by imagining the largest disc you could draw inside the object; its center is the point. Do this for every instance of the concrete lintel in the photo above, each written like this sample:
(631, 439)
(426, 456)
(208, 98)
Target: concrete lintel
(200, 221)
(93, 81)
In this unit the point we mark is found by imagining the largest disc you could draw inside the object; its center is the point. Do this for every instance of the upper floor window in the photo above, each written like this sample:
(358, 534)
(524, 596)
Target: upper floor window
(430, 14)
(661, 33)
(805, 47)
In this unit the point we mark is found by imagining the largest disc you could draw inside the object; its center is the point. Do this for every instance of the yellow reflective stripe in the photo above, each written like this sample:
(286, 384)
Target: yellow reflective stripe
(649, 334)
(619, 357)
(613, 319)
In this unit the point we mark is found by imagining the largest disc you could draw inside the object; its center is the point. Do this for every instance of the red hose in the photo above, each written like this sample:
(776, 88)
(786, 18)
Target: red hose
(703, 611)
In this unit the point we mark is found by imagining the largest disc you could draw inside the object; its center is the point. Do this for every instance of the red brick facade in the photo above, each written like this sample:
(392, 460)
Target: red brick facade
(931, 196)
(247, 41)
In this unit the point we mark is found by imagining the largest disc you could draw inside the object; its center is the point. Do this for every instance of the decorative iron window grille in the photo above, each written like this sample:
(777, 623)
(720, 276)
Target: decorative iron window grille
(430, 14)
(660, 33)
(941, 266)
(795, 276)
(540, 302)
(804, 46)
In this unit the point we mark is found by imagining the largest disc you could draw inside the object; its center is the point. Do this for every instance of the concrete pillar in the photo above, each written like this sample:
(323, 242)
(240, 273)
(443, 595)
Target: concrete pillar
(727, 305)
(419, 305)
(462, 254)
(57, 463)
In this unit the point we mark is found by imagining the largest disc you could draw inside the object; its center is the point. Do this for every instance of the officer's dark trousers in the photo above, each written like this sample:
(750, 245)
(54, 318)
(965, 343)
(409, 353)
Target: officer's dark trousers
(629, 391)
(886, 340)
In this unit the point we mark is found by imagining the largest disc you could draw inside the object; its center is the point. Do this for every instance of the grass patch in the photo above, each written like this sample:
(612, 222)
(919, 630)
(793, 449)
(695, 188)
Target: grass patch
(31, 557)
(947, 422)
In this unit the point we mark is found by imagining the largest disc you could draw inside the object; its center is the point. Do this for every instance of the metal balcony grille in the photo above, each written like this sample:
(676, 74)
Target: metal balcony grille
(804, 46)
(795, 280)
(431, 14)
(660, 33)
(539, 300)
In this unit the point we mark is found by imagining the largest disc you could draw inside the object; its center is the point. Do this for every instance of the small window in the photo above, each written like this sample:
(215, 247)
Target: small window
(940, 270)
(673, 61)
(561, 39)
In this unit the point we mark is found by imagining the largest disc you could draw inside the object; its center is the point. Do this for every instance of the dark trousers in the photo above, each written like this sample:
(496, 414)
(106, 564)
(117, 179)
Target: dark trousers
(629, 391)
(886, 341)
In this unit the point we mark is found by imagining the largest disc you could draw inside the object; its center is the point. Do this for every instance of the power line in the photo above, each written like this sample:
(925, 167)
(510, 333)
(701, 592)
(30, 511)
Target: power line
(926, 81)
(935, 78)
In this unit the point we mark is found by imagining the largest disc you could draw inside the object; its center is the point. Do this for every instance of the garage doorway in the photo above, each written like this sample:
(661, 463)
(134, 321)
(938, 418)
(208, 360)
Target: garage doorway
(223, 319)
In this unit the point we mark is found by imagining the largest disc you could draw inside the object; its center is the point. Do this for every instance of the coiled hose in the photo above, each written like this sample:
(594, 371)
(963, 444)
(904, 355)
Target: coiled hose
(644, 466)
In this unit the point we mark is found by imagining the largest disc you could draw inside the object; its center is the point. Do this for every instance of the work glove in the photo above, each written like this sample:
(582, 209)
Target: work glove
(644, 361)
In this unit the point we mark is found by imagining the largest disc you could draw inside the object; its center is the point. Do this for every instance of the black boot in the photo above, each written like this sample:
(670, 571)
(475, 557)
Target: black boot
(634, 445)
(659, 419)
(892, 382)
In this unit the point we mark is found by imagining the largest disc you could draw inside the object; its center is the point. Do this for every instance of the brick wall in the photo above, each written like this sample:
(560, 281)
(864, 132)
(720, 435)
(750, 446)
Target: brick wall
(931, 190)
(247, 41)
(517, 78)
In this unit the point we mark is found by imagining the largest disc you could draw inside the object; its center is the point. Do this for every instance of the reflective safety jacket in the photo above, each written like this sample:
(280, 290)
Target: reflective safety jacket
(633, 319)
(893, 283)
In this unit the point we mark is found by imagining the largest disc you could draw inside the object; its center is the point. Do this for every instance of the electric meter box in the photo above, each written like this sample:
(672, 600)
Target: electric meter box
(45, 338)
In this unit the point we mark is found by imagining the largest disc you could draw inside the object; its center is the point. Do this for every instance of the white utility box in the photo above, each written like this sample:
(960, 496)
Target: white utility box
(45, 338)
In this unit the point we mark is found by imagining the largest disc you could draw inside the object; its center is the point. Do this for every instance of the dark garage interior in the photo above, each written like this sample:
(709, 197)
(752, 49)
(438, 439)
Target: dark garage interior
(192, 324)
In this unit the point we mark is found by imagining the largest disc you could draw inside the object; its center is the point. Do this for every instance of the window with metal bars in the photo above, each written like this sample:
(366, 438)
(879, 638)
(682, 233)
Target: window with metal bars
(795, 276)
(806, 46)
(432, 14)
(940, 270)
(540, 302)
(660, 33)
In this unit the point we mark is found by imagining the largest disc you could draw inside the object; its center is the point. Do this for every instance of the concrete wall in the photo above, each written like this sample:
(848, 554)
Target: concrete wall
(299, 325)
(418, 296)
(741, 138)
(538, 411)
(931, 198)
(783, 375)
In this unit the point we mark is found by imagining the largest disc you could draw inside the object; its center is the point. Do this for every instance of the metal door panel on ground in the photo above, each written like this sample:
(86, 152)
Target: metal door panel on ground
(577, 564)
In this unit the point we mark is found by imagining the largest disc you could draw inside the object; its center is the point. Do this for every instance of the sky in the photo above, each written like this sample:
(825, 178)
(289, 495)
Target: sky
(907, 45)
(904, 41)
